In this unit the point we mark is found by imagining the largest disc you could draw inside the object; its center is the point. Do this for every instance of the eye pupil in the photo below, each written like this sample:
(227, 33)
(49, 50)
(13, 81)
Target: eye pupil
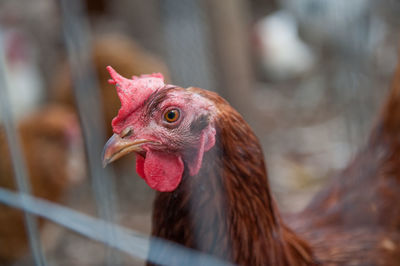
(172, 116)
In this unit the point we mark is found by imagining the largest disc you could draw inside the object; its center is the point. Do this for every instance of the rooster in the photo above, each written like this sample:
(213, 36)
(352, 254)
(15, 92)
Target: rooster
(207, 167)
(51, 142)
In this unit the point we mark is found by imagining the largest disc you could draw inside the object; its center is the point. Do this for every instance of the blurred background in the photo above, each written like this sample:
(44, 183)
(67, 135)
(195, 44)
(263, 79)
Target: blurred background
(308, 75)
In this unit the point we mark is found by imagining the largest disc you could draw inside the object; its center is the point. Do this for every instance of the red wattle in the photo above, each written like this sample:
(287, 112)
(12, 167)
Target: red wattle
(161, 171)
(140, 165)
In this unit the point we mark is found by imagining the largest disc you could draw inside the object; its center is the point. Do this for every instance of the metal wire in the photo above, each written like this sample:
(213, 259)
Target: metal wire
(18, 163)
(86, 90)
(127, 240)
(185, 36)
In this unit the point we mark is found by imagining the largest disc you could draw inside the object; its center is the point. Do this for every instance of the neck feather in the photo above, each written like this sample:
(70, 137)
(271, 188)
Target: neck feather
(227, 210)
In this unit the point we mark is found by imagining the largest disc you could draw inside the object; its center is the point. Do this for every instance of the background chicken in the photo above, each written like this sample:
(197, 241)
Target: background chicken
(53, 152)
(359, 207)
(213, 193)
(115, 49)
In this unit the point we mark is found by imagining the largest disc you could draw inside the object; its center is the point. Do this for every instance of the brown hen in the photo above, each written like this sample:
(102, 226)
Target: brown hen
(213, 194)
(115, 49)
(52, 147)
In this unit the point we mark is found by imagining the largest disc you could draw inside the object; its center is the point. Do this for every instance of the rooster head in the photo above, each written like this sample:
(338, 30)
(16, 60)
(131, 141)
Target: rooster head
(168, 127)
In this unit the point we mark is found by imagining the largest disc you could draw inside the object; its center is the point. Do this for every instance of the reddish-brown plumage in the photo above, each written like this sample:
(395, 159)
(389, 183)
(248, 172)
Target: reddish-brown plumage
(51, 142)
(226, 208)
(359, 212)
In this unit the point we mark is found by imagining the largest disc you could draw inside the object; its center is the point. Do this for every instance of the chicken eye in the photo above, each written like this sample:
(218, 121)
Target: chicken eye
(172, 115)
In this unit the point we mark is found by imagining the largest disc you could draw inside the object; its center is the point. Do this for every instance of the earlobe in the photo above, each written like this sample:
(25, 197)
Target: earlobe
(207, 141)
(210, 141)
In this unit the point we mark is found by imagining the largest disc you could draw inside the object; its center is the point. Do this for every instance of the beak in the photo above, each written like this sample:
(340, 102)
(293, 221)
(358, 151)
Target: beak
(116, 147)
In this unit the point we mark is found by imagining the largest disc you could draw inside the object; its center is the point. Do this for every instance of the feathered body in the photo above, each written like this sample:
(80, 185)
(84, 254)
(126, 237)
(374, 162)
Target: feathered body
(51, 143)
(226, 209)
(359, 212)
(219, 200)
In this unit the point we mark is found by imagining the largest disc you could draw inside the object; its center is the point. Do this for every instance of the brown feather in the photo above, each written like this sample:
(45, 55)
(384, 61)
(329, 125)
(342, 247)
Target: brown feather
(227, 210)
(47, 137)
(359, 212)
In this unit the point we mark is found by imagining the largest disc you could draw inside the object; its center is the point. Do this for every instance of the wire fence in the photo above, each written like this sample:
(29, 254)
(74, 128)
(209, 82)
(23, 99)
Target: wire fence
(86, 90)
(77, 37)
(19, 167)
(201, 50)
(124, 239)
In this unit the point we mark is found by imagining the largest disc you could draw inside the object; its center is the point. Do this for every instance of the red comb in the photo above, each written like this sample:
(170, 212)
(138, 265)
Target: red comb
(133, 92)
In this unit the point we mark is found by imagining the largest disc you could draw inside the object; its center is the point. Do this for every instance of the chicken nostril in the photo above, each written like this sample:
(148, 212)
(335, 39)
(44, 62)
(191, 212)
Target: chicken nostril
(126, 132)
